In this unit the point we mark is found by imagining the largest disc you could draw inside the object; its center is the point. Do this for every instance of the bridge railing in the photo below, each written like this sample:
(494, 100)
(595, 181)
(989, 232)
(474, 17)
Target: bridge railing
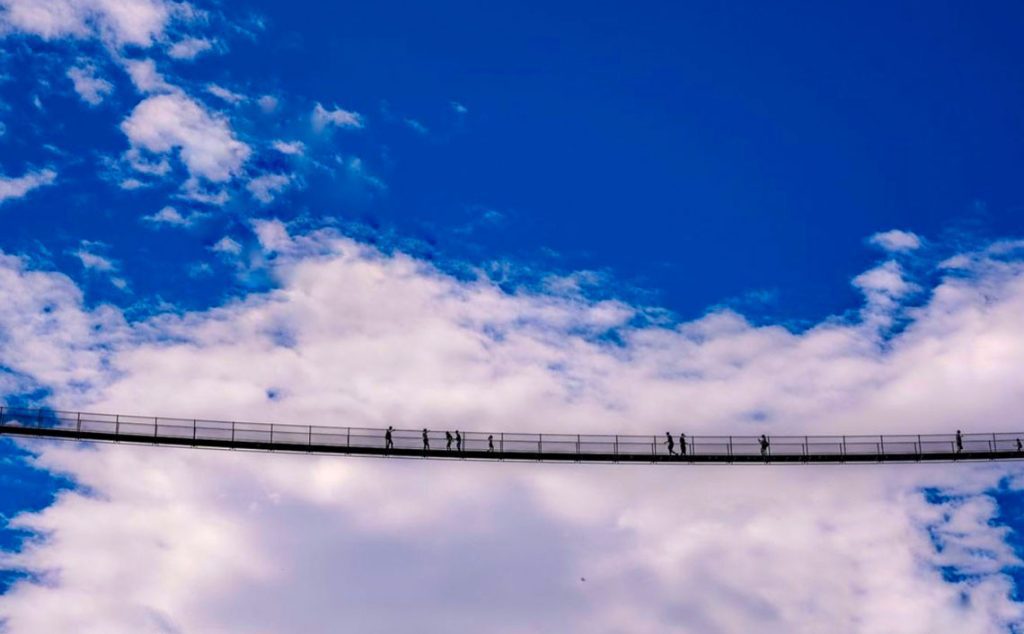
(507, 444)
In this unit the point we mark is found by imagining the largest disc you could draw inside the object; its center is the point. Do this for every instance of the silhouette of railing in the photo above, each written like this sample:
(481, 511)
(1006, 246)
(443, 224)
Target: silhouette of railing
(88, 426)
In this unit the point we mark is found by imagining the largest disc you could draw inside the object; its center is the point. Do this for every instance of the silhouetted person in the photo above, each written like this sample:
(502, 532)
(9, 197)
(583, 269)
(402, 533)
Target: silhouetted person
(458, 441)
(682, 444)
(448, 438)
(388, 442)
(490, 443)
(1020, 447)
(765, 444)
(426, 440)
(671, 444)
(959, 442)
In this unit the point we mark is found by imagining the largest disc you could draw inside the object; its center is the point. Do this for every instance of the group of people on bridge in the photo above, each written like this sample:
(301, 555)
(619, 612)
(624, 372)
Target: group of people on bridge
(389, 441)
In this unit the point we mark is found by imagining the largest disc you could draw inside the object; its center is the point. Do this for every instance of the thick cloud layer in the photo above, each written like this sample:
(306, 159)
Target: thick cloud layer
(187, 541)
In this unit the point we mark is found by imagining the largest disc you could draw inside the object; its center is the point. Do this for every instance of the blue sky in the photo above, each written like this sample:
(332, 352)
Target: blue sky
(672, 193)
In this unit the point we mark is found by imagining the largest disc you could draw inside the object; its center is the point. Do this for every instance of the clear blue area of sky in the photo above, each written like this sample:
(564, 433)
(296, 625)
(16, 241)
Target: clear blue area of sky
(699, 150)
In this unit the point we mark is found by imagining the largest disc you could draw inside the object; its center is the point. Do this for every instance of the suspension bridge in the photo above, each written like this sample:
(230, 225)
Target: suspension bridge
(506, 446)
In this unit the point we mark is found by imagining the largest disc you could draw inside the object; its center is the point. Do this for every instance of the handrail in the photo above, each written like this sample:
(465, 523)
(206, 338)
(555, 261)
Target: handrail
(862, 448)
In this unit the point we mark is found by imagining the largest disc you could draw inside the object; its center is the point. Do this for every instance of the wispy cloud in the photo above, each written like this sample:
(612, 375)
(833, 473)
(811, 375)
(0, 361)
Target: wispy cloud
(189, 48)
(336, 117)
(18, 187)
(291, 148)
(224, 94)
(896, 241)
(90, 88)
(169, 216)
(266, 187)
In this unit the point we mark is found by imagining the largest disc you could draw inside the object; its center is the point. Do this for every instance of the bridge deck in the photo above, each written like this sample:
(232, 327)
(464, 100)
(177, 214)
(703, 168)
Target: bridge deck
(506, 446)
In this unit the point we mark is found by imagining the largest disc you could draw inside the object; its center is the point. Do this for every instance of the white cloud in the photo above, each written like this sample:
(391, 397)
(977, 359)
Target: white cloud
(172, 217)
(90, 88)
(225, 541)
(131, 184)
(266, 187)
(267, 103)
(145, 76)
(18, 187)
(321, 118)
(93, 261)
(416, 126)
(189, 48)
(228, 246)
(192, 189)
(224, 94)
(356, 169)
(896, 241)
(207, 146)
(291, 148)
(459, 108)
(119, 22)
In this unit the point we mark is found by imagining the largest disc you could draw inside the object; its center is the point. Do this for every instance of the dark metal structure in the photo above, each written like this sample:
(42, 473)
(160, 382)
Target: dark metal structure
(602, 448)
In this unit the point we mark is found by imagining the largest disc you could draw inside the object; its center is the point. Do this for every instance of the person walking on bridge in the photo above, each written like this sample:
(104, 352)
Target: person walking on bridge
(959, 442)
(490, 443)
(448, 438)
(426, 441)
(670, 443)
(1020, 447)
(388, 442)
(765, 444)
(682, 444)
(458, 441)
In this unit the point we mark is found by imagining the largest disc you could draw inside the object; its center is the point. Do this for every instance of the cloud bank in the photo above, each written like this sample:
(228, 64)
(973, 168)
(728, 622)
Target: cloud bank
(214, 541)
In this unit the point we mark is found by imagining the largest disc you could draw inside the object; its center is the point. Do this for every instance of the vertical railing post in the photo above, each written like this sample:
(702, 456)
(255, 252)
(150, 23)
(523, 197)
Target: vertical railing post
(310, 440)
(729, 449)
(348, 438)
(577, 447)
(540, 443)
(615, 448)
(232, 432)
(992, 449)
(1, 415)
(501, 444)
(807, 449)
(920, 448)
(271, 433)
(117, 424)
(78, 424)
(156, 427)
(195, 430)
